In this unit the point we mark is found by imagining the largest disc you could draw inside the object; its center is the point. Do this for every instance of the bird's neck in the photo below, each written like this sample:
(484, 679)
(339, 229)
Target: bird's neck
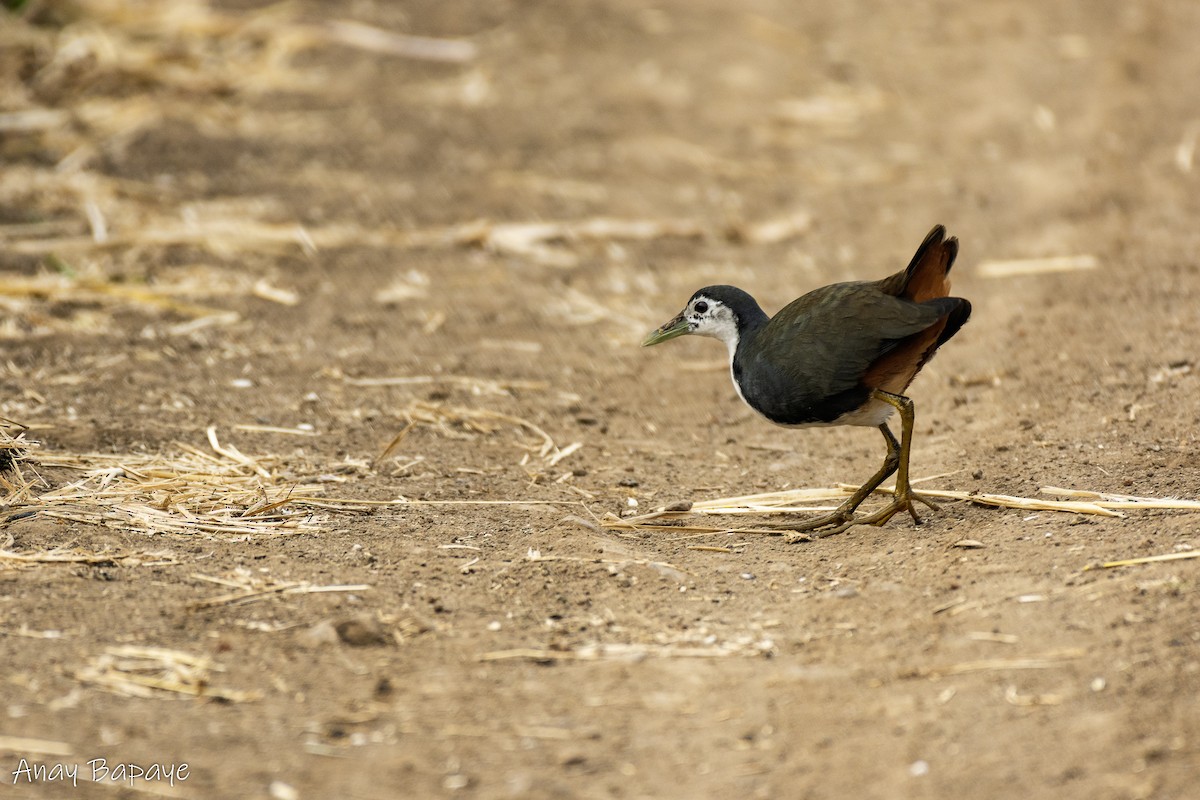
(751, 322)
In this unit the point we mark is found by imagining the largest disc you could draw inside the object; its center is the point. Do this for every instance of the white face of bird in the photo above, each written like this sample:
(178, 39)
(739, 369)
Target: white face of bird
(712, 318)
(703, 316)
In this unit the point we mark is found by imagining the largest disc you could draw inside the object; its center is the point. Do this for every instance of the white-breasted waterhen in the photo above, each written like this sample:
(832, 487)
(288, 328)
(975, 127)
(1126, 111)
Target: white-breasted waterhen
(840, 355)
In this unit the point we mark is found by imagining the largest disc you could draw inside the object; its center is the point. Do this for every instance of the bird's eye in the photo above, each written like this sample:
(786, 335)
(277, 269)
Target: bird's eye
(701, 307)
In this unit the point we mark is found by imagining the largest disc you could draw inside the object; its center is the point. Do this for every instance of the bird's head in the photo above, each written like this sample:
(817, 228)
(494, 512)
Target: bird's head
(712, 311)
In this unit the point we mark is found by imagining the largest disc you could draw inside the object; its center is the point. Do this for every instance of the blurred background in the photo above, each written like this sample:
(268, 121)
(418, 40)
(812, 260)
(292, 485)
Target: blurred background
(446, 225)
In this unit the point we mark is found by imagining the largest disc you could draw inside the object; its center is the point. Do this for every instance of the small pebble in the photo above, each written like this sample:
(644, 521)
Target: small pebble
(918, 768)
(362, 631)
(283, 791)
(454, 782)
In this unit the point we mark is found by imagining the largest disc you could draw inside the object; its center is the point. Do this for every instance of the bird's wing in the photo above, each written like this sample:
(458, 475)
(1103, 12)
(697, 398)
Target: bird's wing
(828, 338)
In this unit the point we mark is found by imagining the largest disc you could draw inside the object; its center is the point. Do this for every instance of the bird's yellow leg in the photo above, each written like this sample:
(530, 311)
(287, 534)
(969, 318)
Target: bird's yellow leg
(891, 463)
(842, 517)
(904, 496)
(896, 461)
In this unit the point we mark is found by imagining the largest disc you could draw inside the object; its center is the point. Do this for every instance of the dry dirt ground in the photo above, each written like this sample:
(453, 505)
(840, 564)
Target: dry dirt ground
(238, 216)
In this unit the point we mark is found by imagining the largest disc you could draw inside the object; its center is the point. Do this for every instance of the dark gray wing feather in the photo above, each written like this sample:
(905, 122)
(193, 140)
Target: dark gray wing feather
(817, 348)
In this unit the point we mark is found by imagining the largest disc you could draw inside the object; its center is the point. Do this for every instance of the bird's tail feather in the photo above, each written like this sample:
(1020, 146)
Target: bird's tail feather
(926, 277)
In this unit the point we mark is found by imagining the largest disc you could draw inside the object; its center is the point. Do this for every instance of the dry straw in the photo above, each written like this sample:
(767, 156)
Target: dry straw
(744, 646)
(183, 61)
(135, 671)
(465, 422)
(815, 500)
(221, 494)
(14, 450)
(250, 588)
(59, 555)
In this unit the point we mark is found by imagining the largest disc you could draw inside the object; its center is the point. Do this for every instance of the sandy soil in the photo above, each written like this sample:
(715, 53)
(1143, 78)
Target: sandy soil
(520, 650)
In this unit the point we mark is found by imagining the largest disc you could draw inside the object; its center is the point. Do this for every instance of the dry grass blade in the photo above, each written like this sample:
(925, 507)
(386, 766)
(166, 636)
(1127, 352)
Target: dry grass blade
(350, 503)
(992, 664)
(1023, 503)
(393, 444)
(528, 654)
(1047, 661)
(41, 747)
(221, 236)
(536, 240)
(154, 671)
(558, 455)
(613, 522)
(477, 386)
(251, 428)
(233, 453)
(1113, 501)
(33, 119)
(836, 106)
(773, 231)
(474, 421)
(660, 566)
(1130, 562)
(635, 651)
(784, 502)
(377, 40)
(284, 297)
(1036, 266)
(14, 560)
(251, 589)
(66, 289)
(1013, 697)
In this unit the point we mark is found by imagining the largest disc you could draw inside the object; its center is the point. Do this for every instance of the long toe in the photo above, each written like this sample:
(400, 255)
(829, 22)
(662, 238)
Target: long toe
(884, 516)
(923, 499)
(834, 531)
(813, 535)
(837, 517)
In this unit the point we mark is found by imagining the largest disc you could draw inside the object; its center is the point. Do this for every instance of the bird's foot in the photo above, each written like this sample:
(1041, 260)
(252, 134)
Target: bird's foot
(830, 524)
(843, 519)
(810, 529)
(902, 500)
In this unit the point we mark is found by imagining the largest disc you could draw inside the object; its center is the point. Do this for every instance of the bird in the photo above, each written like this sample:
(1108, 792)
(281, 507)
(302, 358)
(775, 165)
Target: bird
(843, 354)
